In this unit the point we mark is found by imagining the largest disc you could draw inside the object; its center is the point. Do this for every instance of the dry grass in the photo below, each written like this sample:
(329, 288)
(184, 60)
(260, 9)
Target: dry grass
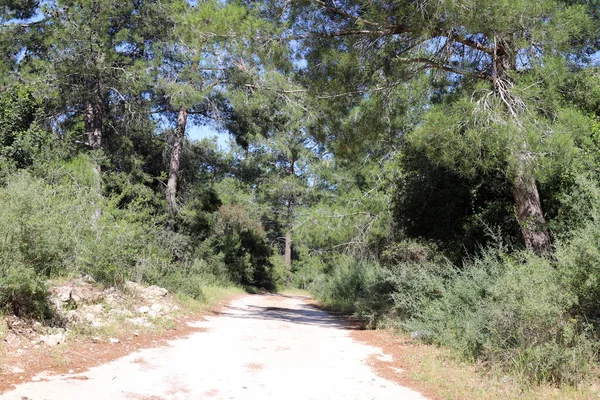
(453, 379)
(439, 373)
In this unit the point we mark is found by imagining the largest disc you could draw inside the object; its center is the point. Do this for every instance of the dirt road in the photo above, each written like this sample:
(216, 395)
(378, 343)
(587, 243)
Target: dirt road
(259, 347)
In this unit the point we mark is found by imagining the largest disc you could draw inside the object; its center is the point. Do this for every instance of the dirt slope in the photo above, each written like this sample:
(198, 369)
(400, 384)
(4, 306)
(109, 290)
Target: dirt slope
(259, 347)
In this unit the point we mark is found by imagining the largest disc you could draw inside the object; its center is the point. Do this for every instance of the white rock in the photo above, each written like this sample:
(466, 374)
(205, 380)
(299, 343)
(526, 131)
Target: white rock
(98, 323)
(111, 299)
(143, 310)
(86, 294)
(95, 309)
(114, 340)
(53, 340)
(73, 316)
(125, 313)
(157, 308)
(155, 291)
(141, 321)
(63, 293)
(71, 371)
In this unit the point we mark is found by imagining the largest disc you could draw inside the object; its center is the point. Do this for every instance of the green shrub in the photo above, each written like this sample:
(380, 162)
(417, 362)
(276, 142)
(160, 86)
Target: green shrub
(413, 274)
(348, 281)
(243, 242)
(455, 318)
(578, 259)
(307, 268)
(280, 273)
(191, 278)
(184, 283)
(23, 292)
(575, 205)
(417, 284)
(38, 225)
(513, 312)
(410, 251)
(110, 252)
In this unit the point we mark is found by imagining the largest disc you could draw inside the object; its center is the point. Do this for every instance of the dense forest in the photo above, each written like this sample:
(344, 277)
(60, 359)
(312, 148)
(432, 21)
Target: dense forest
(428, 165)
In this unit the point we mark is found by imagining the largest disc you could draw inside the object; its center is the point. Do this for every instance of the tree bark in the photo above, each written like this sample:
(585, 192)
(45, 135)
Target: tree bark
(175, 158)
(287, 258)
(93, 127)
(530, 216)
(93, 124)
(288, 249)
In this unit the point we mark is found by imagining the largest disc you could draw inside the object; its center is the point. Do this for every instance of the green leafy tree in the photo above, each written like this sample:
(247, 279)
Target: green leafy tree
(471, 49)
(275, 117)
(211, 43)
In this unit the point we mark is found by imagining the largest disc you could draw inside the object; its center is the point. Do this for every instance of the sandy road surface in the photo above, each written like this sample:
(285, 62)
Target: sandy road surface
(260, 347)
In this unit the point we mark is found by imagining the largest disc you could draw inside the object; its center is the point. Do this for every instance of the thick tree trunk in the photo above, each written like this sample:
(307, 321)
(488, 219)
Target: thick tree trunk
(175, 158)
(93, 124)
(525, 192)
(529, 214)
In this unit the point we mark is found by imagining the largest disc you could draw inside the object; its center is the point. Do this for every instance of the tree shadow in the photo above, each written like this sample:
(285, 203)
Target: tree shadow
(304, 314)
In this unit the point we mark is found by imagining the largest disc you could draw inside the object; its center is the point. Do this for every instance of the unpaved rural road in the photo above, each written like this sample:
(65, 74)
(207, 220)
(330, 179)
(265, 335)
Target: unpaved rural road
(259, 347)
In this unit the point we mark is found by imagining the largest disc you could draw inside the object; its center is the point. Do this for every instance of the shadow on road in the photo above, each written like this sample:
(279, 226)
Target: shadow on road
(303, 314)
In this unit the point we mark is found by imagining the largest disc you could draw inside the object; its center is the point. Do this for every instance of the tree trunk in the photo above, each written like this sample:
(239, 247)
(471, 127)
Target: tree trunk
(93, 128)
(288, 249)
(530, 216)
(93, 124)
(175, 158)
(525, 192)
(287, 257)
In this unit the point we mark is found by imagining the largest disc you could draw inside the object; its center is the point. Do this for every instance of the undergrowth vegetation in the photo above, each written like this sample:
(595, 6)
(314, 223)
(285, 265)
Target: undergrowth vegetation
(514, 311)
(59, 226)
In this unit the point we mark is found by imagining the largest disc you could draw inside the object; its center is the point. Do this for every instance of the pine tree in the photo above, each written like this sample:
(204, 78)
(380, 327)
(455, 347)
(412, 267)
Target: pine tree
(209, 43)
(361, 47)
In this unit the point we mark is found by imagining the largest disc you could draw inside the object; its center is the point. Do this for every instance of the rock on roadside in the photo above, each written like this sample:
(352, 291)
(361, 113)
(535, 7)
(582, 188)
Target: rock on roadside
(53, 340)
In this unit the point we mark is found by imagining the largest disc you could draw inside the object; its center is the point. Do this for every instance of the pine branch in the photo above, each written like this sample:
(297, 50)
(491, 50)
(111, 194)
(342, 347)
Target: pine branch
(346, 14)
(23, 25)
(428, 63)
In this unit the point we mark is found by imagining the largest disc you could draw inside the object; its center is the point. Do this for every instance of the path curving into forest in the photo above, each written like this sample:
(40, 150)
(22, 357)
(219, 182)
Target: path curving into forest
(259, 347)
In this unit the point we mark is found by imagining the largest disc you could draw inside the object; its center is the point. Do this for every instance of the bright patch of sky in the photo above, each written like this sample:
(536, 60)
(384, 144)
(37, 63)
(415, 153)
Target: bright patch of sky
(198, 132)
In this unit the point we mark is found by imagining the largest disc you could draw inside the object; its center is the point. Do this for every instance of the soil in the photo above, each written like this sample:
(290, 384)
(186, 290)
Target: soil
(394, 367)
